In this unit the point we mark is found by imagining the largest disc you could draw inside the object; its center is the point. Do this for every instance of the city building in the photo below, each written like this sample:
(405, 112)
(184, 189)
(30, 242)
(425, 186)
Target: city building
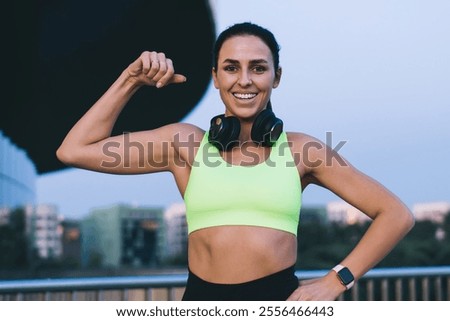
(71, 243)
(343, 213)
(39, 226)
(433, 211)
(44, 231)
(122, 235)
(17, 176)
(176, 231)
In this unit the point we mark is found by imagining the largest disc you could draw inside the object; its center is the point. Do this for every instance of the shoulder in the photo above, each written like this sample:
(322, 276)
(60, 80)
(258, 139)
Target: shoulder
(185, 128)
(312, 154)
(299, 141)
(185, 132)
(299, 137)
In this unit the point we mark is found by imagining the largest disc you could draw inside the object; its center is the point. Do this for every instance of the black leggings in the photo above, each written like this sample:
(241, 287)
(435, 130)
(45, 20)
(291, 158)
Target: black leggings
(274, 287)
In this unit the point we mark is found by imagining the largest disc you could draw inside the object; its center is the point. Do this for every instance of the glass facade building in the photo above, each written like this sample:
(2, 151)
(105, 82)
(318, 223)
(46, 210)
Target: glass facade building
(122, 235)
(17, 176)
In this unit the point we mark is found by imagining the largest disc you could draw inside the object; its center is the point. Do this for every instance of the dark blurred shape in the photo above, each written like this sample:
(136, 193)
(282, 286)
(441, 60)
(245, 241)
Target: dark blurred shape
(61, 55)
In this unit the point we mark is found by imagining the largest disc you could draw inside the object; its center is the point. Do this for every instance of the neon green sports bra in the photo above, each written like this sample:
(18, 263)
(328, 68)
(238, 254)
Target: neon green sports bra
(267, 194)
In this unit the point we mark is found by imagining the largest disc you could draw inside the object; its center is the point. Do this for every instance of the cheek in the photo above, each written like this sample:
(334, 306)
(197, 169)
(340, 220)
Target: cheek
(224, 83)
(267, 82)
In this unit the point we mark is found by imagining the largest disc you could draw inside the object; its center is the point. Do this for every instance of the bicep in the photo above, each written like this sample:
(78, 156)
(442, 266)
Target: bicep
(130, 153)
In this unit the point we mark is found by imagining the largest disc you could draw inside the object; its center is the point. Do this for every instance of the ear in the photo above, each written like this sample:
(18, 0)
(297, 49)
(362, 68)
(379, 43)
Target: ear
(214, 75)
(277, 80)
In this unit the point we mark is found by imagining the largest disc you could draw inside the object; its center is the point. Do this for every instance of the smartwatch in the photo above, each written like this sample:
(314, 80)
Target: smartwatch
(345, 276)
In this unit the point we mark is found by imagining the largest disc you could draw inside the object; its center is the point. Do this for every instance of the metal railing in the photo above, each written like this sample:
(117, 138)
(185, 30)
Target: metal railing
(382, 284)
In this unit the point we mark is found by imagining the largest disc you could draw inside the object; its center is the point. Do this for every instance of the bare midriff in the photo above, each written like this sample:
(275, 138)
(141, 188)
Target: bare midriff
(237, 254)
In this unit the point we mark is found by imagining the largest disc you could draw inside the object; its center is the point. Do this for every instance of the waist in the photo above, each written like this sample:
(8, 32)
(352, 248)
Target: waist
(274, 287)
(236, 254)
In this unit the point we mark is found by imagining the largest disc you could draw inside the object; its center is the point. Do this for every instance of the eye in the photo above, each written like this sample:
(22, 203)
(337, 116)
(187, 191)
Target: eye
(230, 68)
(259, 69)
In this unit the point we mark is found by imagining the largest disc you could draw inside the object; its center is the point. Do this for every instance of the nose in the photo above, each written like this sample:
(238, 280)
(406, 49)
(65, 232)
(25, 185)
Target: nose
(245, 79)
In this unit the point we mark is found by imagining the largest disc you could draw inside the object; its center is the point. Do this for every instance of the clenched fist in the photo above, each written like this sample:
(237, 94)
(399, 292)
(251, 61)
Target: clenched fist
(154, 69)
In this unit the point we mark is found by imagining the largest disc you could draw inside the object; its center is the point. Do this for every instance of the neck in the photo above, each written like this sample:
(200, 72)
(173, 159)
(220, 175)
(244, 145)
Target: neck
(245, 134)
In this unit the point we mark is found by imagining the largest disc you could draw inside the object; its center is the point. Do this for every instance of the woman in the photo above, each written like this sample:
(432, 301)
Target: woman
(241, 180)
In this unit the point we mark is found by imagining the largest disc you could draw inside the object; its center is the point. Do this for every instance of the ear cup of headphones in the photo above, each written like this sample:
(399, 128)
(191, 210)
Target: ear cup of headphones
(266, 128)
(224, 131)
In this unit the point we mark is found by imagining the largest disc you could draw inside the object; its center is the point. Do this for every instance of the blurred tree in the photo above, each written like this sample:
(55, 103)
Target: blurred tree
(321, 245)
(13, 242)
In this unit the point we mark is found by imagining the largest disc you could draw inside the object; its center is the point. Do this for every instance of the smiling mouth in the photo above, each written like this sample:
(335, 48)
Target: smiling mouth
(244, 96)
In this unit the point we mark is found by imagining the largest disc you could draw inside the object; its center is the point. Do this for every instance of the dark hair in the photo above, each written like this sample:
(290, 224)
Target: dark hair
(250, 29)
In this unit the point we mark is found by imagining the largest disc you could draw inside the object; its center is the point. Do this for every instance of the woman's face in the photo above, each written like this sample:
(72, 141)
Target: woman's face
(245, 76)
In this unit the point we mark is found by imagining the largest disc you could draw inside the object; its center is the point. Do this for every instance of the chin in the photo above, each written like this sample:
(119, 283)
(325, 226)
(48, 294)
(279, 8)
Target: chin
(245, 115)
(245, 112)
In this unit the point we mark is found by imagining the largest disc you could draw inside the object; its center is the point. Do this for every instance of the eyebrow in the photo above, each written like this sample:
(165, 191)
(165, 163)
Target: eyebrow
(254, 61)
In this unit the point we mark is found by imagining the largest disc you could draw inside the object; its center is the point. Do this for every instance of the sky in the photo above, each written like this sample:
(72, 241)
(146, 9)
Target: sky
(374, 74)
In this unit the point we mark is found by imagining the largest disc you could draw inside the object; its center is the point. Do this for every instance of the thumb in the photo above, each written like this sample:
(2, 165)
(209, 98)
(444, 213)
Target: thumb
(178, 79)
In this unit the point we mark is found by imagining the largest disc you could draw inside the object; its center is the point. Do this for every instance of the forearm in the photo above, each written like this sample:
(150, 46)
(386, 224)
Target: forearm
(99, 120)
(386, 230)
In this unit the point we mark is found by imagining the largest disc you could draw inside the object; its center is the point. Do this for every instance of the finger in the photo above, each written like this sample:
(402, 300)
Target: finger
(294, 296)
(166, 78)
(154, 65)
(308, 281)
(163, 67)
(135, 67)
(145, 61)
(170, 77)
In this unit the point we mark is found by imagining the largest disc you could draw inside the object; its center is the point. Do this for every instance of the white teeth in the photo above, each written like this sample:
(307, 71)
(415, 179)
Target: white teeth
(244, 96)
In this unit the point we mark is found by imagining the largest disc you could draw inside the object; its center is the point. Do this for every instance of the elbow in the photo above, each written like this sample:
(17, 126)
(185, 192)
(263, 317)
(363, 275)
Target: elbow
(408, 220)
(401, 218)
(61, 155)
(411, 221)
(64, 156)
(73, 156)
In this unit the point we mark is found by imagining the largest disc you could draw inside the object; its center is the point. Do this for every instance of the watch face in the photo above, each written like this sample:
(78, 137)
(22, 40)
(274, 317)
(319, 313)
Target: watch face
(346, 276)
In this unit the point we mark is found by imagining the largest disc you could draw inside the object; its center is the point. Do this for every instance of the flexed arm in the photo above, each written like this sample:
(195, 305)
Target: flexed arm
(86, 143)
